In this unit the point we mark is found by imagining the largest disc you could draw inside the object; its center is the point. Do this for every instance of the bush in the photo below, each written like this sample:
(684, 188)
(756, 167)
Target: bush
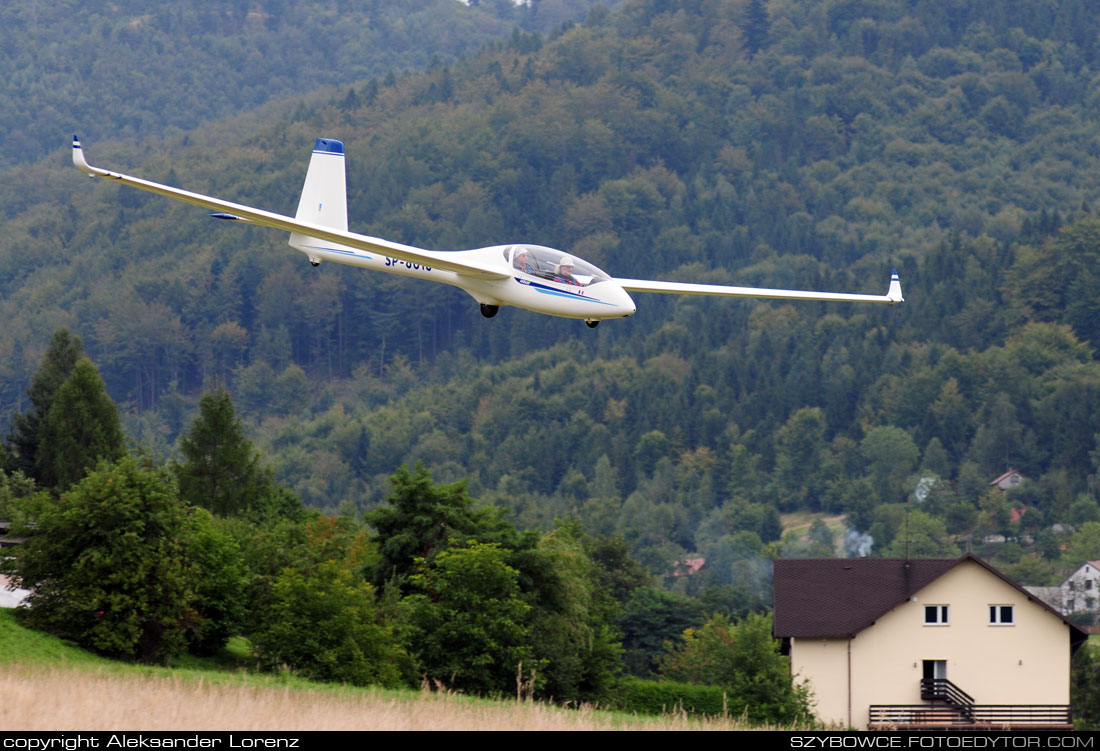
(323, 624)
(662, 697)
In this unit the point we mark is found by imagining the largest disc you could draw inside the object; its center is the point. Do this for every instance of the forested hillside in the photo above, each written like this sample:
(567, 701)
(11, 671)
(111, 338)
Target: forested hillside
(126, 69)
(817, 145)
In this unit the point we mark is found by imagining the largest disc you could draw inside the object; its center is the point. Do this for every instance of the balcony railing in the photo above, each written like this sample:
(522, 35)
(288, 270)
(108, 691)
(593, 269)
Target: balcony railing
(980, 716)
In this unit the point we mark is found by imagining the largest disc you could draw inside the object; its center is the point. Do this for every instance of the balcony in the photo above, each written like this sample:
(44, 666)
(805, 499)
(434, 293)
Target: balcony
(951, 708)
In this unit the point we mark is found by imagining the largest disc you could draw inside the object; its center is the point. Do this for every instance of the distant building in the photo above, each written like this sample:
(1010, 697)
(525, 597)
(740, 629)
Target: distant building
(1008, 480)
(1078, 595)
(889, 643)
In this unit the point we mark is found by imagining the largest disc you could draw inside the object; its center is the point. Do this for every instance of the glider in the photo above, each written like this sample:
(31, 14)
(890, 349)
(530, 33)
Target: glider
(531, 277)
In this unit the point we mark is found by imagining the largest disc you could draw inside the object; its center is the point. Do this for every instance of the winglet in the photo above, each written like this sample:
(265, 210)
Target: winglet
(82, 163)
(894, 292)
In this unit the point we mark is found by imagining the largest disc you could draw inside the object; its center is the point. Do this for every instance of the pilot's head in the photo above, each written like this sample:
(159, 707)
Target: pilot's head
(565, 265)
(521, 258)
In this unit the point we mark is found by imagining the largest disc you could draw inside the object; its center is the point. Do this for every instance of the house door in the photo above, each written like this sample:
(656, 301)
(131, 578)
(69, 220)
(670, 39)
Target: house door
(935, 669)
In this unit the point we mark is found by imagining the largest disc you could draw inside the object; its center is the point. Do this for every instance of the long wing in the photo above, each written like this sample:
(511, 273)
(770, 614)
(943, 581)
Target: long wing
(892, 296)
(435, 259)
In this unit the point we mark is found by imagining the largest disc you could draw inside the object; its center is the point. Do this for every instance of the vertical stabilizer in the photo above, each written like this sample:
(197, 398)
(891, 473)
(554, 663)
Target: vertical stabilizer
(324, 196)
(894, 292)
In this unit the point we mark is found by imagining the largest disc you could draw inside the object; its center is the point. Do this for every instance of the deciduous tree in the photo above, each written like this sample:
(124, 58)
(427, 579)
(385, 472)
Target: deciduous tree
(110, 564)
(744, 658)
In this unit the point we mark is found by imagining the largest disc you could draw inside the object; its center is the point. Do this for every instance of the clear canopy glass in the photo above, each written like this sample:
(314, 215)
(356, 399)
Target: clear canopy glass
(554, 265)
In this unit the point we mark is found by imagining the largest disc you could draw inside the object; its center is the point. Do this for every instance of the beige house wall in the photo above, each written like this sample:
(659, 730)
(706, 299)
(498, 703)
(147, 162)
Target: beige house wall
(1025, 663)
(824, 663)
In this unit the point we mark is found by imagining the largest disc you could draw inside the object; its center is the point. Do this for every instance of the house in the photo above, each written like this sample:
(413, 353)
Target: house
(1078, 595)
(1008, 480)
(922, 643)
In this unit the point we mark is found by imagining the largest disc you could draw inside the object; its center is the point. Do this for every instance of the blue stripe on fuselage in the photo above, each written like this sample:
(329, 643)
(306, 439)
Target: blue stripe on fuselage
(559, 292)
(356, 253)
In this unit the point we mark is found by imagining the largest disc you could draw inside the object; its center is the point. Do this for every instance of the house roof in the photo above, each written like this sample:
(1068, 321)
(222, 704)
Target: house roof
(1005, 476)
(839, 597)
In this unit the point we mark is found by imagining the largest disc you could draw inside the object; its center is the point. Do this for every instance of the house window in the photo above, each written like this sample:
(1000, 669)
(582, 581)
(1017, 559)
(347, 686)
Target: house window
(935, 615)
(1001, 615)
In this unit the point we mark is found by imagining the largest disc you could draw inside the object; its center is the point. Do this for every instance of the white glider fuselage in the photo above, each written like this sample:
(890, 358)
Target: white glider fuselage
(532, 277)
(522, 289)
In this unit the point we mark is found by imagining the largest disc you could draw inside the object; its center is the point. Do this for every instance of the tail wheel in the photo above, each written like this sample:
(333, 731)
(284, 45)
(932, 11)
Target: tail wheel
(591, 324)
(489, 310)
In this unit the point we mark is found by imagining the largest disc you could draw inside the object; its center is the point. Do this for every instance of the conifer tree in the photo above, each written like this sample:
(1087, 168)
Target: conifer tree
(222, 470)
(756, 26)
(61, 357)
(81, 428)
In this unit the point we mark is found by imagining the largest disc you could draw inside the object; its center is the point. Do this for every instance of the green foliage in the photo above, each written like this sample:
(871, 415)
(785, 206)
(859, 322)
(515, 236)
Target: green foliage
(1083, 545)
(891, 455)
(926, 537)
(110, 564)
(744, 659)
(81, 428)
(1085, 688)
(421, 518)
(167, 46)
(467, 625)
(324, 624)
(650, 618)
(670, 697)
(813, 152)
(20, 500)
(570, 621)
(220, 590)
(28, 429)
(221, 469)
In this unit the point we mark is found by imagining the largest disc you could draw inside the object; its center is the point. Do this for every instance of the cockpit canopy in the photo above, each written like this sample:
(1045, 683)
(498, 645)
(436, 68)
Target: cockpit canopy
(547, 263)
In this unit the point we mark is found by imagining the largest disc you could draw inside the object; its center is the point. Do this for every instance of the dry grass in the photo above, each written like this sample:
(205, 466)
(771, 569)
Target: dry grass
(65, 699)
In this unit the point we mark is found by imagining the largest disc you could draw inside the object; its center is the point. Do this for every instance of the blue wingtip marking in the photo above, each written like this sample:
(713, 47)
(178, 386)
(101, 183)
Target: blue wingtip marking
(895, 272)
(329, 146)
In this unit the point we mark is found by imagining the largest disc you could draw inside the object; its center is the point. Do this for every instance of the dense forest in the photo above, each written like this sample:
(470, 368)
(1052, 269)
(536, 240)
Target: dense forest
(124, 69)
(807, 145)
(816, 149)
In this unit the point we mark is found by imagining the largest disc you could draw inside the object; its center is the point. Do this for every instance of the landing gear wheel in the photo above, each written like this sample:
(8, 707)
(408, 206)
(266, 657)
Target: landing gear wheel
(591, 324)
(489, 310)
(314, 262)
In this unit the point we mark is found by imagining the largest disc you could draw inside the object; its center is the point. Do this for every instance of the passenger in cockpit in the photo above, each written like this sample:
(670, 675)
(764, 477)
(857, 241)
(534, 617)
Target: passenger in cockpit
(565, 271)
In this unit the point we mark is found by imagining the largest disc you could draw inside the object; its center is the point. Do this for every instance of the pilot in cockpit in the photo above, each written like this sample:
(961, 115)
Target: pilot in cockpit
(522, 261)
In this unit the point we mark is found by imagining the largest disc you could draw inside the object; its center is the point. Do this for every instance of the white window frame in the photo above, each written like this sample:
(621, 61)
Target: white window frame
(941, 618)
(996, 615)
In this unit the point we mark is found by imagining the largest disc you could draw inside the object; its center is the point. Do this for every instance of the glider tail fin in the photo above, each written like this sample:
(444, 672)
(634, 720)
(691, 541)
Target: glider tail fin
(324, 196)
(894, 292)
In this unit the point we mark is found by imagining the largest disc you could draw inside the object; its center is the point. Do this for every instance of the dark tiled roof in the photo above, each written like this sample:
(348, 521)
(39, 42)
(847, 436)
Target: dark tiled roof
(838, 597)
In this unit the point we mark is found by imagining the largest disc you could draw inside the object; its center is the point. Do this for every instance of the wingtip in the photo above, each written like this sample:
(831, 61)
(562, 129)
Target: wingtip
(78, 157)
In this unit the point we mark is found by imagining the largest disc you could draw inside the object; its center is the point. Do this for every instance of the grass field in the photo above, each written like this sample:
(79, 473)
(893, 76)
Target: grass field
(47, 684)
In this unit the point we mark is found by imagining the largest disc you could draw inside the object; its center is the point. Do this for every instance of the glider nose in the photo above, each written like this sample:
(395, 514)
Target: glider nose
(624, 301)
